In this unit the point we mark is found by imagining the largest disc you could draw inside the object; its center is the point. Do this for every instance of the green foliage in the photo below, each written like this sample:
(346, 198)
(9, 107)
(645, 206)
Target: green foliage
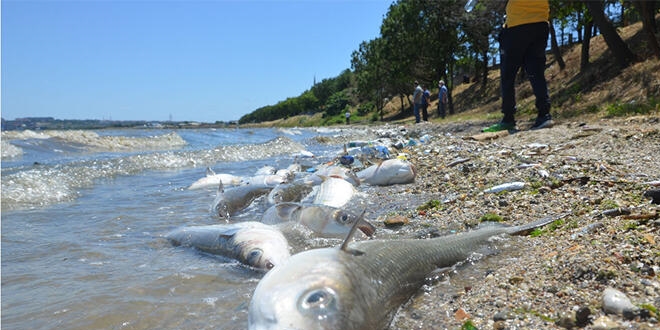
(365, 108)
(618, 109)
(608, 204)
(468, 325)
(491, 217)
(432, 204)
(336, 104)
(547, 229)
(650, 308)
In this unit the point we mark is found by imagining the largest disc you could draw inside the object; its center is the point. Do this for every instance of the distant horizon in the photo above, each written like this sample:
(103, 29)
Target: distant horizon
(114, 120)
(201, 61)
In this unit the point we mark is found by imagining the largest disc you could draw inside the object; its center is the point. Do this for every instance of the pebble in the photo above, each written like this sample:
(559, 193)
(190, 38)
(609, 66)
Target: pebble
(605, 323)
(616, 302)
(582, 316)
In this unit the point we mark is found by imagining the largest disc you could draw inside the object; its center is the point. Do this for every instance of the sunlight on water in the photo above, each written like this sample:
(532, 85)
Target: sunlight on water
(44, 185)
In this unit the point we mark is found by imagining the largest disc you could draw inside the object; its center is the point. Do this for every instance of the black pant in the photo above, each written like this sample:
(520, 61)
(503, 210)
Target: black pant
(523, 46)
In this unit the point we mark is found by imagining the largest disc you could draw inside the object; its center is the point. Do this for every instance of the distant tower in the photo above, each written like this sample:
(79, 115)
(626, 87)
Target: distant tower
(170, 117)
(314, 84)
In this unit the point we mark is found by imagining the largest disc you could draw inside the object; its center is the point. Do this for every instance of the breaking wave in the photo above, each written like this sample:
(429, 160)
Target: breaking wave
(41, 185)
(94, 142)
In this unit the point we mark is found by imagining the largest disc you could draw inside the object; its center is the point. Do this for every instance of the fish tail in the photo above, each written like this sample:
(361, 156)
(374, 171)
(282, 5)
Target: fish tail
(525, 229)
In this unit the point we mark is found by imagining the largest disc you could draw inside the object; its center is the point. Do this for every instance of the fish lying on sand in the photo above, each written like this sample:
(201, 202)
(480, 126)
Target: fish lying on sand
(228, 202)
(389, 172)
(252, 243)
(213, 180)
(361, 285)
(323, 220)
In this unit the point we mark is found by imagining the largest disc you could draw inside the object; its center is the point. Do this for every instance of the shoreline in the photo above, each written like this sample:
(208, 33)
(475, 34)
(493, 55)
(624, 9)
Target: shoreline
(587, 169)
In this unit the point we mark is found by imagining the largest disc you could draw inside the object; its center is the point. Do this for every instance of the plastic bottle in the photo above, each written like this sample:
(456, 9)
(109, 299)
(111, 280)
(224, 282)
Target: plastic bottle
(470, 5)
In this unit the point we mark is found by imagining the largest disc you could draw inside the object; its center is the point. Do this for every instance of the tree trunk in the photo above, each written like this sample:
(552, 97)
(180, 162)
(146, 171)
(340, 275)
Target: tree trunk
(623, 55)
(484, 69)
(646, 10)
(555, 47)
(450, 85)
(584, 56)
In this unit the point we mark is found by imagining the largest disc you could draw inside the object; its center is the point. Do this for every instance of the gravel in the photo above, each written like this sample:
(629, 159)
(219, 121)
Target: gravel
(597, 172)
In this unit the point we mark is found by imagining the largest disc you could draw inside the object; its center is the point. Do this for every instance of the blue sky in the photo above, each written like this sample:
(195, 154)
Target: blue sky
(185, 60)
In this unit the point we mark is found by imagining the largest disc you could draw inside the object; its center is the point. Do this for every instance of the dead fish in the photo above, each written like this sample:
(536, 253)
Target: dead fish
(213, 180)
(359, 285)
(388, 172)
(289, 192)
(334, 171)
(323, 220)
(265, 180)
(334, 192)
(252, 243)
(266, 170)
(511, 186)
(228, 202)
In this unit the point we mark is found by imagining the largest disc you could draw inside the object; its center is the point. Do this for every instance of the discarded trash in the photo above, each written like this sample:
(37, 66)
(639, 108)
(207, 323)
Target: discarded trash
(511, 186)
(346, 160)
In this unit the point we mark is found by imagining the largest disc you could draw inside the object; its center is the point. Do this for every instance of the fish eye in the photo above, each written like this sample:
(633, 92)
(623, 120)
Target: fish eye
(319, 301)
(343, 217)
(269, 265)
(254, 256)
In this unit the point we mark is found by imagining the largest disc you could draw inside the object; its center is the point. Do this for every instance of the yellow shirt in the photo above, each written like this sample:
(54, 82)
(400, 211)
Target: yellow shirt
(520, 12)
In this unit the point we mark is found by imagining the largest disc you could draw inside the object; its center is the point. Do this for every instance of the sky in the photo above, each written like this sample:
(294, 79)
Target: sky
(158, 60)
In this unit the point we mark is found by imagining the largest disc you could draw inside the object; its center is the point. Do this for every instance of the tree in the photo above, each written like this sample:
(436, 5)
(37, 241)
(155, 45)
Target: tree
(623, 55)
(369, 68)
(647, 11)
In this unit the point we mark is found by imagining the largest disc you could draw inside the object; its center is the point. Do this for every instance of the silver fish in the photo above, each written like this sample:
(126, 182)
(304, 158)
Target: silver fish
(334, 192)
(252, 243)
(289, 192)
(323, 220)
(361, 286)
(213, 180)
(389, 172)
(229, 202)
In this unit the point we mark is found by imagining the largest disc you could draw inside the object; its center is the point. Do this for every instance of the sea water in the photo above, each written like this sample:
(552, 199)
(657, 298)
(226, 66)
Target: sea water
(84, 214)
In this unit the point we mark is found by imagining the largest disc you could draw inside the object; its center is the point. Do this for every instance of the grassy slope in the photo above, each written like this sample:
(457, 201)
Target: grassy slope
(599, 92)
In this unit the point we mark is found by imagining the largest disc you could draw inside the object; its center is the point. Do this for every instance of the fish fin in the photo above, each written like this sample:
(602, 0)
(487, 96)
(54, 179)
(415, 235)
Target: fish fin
(209, 172)
(353, 176)
(525, 229)
(221, 188)
(344, 245)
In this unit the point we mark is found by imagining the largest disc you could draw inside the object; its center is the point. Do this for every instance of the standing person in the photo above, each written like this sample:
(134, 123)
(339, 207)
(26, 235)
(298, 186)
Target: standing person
(417, 101)
(522, 44)
(348, 117)
(442, 99)
(426, 99)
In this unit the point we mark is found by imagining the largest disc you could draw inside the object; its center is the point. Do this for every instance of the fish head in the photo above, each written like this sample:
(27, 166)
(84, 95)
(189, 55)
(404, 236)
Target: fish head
(333, 222)
(312, 290)
(262, 249)
(221, 209)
